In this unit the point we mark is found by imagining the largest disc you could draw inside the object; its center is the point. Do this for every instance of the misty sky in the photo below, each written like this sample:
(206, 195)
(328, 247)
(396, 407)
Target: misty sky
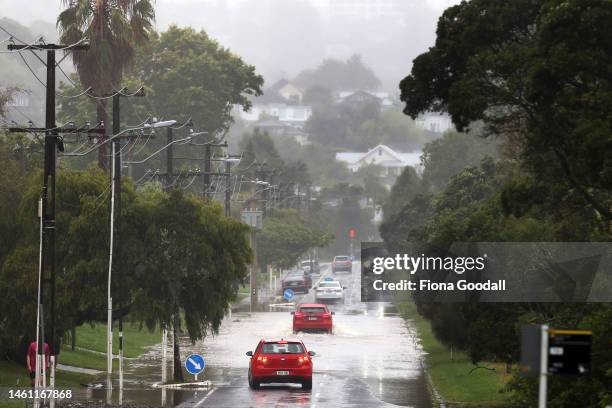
(282, 37)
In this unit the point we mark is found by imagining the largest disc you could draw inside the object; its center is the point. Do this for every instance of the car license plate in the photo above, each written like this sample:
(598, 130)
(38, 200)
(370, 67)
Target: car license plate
(312, 318)
(282, 373)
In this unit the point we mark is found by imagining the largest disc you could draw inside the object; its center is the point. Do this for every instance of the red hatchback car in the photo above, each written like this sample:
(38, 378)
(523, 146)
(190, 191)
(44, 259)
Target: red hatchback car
(342, 263)
(311, 317)
(280, 361)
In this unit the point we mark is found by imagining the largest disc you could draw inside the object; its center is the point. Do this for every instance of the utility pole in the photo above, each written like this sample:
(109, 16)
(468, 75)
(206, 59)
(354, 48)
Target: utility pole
(169, 157)
(228, 192)
(207, 169)
(254, 270)
(115, 227)
(52, 142)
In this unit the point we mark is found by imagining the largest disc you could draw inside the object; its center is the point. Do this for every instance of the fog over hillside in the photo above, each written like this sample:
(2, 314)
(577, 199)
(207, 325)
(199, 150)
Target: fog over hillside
(282, 37)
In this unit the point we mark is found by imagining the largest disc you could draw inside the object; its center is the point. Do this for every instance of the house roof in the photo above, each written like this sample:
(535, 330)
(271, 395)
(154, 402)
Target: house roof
(400, 159)
(272, 95)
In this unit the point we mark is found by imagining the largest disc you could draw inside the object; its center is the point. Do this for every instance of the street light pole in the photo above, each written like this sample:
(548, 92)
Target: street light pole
(228, 193)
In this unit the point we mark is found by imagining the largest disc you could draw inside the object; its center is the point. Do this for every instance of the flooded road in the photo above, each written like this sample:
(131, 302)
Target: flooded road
(371, 360)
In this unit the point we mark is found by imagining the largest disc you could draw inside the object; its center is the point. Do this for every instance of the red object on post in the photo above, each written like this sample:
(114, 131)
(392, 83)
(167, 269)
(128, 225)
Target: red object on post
(352, 232)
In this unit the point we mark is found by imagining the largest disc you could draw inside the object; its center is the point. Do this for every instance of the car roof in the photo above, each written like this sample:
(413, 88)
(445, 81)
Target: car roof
(287, 340)
(294, 277)
(312, 305)
(341, 256)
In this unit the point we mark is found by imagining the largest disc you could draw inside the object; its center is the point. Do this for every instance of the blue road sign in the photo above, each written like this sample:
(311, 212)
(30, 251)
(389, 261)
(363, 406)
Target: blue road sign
(195, 364)
(288, 294)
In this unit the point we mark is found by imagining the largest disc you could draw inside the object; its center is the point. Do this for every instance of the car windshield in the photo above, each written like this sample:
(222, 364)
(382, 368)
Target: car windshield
(329, 284)
(310, 309)
(341, 258)
(282, 348)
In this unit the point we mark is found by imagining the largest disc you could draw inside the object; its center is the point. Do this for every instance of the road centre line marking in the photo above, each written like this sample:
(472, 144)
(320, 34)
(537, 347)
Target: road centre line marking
(205, 398)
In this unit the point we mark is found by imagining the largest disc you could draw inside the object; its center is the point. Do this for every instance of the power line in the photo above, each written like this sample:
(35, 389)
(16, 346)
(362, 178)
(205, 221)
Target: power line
(33, 73)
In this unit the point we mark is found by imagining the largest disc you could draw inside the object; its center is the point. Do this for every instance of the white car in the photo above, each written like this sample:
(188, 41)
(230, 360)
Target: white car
(329, 290)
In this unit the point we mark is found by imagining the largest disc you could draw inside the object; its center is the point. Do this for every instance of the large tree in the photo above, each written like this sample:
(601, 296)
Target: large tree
(536, 69)
(188, 74)
(112, 28)
(349, 75)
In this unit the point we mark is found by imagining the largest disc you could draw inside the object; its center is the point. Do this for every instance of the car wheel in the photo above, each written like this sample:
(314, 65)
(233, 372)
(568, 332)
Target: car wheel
(307, 384)
(253, 384)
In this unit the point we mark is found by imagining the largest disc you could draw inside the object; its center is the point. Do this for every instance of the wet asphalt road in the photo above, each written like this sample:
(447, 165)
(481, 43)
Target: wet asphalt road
(371, 360)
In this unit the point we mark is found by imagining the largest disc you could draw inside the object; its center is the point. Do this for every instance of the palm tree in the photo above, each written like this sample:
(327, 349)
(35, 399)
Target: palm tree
(113, 28)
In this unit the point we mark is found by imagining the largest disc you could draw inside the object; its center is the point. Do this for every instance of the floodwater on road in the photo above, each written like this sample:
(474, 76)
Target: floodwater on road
(372, 359)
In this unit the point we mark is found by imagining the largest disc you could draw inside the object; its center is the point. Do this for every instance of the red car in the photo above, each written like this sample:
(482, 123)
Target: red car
(342, 263)
(280, 361)
(312, 316)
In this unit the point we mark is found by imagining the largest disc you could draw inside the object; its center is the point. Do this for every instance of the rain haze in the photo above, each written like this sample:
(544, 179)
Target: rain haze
(281, 203)
(282, 37)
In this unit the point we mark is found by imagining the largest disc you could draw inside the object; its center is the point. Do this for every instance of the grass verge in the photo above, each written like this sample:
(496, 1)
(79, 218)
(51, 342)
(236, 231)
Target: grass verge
(452, 378)
(15, 375)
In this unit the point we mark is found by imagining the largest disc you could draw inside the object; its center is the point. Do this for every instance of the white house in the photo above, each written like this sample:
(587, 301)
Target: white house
(435, 122)
(393, 162)
(283, 101)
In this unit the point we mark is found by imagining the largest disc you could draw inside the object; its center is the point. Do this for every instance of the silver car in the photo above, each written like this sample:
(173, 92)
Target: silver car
(329, 290)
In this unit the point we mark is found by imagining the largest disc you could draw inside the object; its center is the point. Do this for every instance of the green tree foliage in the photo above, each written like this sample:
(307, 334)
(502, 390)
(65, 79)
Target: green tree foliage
(286, 236)
(191, 262)
(318, 96)
(187, 74)
(349, 75)
(407, 186)
(539, 69)
(363, 125)
(169, 243)
(447, 156)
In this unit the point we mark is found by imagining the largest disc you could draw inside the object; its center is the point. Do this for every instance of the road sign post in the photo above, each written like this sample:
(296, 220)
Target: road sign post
(546, 351)
(543, 366)
(195, 364)
(288, 294)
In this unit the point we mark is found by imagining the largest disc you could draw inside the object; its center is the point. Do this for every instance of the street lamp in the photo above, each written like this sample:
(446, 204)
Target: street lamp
(155, 125)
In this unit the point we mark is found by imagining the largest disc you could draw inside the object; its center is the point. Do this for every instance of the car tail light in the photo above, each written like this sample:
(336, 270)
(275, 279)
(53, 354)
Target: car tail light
(262, 359)
(302, 359)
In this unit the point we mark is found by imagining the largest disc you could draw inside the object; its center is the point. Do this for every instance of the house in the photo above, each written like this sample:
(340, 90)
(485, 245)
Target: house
(391, 161)
(435, 122)
(283, 101)
(359, 97)
(275, 127)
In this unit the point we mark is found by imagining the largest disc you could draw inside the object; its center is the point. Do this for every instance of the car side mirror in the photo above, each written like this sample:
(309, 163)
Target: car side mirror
(333, 313)
(292, 313)
(249, 353)
(344, 287)
(312, 353)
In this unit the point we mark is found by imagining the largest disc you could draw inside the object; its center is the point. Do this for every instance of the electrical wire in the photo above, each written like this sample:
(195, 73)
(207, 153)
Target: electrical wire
(34, 46)
(29, 68)
(190, 183)
(23, 114)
